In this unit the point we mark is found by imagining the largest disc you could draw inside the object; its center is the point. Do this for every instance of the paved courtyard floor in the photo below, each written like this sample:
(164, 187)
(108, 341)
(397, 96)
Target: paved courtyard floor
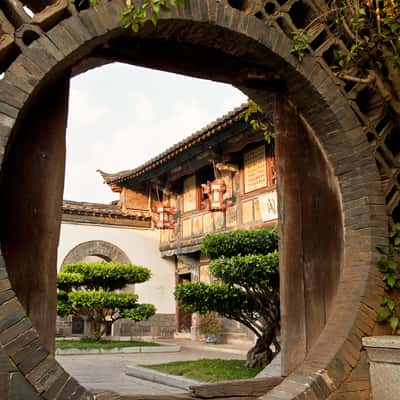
(107, 372)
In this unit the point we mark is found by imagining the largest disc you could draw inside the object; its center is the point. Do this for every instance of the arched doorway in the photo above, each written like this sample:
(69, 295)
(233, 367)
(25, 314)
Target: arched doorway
(92, 251)
(98, 248)
(212, 40)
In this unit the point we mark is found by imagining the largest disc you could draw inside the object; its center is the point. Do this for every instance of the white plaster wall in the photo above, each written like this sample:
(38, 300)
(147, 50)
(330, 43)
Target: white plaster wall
(141, 246)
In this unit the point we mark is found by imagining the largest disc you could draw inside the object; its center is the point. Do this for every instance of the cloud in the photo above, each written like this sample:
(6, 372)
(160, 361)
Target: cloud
(120, 116)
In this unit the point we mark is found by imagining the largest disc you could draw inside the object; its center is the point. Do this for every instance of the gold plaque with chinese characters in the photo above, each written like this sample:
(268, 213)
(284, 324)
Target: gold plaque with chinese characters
(255, 169)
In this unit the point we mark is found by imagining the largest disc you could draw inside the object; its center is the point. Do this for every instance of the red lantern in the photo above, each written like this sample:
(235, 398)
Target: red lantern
(163, 217)
(215, 195)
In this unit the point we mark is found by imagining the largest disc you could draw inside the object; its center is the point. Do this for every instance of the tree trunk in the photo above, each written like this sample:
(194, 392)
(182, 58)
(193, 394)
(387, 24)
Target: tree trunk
(93, 329)
(260, 355)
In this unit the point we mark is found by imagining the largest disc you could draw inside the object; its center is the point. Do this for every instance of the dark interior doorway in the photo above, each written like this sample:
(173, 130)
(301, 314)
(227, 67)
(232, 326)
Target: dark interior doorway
(184, 318)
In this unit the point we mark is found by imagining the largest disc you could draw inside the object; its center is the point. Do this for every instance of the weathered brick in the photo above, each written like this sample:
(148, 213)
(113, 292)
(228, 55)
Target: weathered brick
(18, 345)
(6, 365)
(93, 23)
(17, 329)
(10, 313)
(31, 355)
(6, 295)
(20, 389)
(4, 385)
(77, 29)
(4, 285)
(110, 16)
(63, 40)
(56, 386)
(71, 391)
(45, 374)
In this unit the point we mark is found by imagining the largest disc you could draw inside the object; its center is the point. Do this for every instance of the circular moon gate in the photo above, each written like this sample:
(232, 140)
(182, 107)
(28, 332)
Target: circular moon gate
(332, 212)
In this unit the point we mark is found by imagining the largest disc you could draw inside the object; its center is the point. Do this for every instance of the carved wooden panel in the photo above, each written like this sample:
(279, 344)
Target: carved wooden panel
(247, 212)
(208, 223)
(219, 220)
(231, 217)
(186, 228)
(197, 225)
(189, 194)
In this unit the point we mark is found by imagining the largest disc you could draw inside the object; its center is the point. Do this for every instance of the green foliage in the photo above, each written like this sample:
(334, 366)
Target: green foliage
(389, 310)
(210, 324)
(136, 14)
(246, 266)
(208, 370)
(64, 306)
(253, 115)
(88, 343)
(141, 312)
(370, 30)
(101, 275)
(87, 290)
(253, 269)
(240, 242)
(300, 44)
(67, 280)
(100, 298)
(223, 299)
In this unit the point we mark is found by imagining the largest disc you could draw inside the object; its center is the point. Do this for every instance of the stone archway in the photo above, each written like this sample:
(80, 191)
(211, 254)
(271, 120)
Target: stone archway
(99, 248)
(103, 251)
(212, 40)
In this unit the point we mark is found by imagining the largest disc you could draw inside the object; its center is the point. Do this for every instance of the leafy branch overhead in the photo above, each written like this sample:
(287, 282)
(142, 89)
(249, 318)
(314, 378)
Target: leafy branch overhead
(253, 115)
(135, 14)
(370, 30)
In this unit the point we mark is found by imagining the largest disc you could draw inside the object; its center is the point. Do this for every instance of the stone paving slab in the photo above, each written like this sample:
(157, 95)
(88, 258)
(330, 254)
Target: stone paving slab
(106, 372)
(161, 377)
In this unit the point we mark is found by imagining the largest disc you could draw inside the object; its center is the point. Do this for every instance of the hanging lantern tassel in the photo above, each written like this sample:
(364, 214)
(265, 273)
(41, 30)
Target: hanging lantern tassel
(163, 218)
(216, 191)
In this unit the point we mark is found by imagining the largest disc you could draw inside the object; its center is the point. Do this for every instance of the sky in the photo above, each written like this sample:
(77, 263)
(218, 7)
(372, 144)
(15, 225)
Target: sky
(120, 116)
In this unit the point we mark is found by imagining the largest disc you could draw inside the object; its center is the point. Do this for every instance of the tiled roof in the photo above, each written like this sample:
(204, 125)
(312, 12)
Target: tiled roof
(197, 137)
(98, 209)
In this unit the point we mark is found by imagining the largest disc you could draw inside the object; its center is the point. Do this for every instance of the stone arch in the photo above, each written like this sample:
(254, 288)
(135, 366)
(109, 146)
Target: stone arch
(100, 248)
(259, 61)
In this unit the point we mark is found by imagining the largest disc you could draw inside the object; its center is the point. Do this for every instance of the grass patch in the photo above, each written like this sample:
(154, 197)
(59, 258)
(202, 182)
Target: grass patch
(208, 370)
(86, 343)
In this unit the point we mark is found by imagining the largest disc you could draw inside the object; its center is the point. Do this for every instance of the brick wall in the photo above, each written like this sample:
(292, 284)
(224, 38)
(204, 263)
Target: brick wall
(64, 326)
(159, 325)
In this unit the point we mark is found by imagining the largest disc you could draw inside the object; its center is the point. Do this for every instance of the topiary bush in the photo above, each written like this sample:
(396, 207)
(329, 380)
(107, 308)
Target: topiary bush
(87, 290)
(240, 242)
(246, 266)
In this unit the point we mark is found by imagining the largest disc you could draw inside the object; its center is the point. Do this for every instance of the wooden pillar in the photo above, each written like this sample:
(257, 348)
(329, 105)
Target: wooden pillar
(30, 214)
(311, 234)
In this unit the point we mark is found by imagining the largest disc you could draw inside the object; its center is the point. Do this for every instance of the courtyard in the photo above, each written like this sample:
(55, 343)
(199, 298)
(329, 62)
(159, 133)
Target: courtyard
(332, 89)
(100, 373)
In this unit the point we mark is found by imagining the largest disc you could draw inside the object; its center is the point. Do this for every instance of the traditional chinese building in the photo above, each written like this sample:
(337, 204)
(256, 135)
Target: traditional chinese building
(92, 232)
(220, 178)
